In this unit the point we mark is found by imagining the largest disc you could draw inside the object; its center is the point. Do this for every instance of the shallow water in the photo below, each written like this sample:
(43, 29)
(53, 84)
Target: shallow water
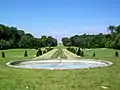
(60, 65)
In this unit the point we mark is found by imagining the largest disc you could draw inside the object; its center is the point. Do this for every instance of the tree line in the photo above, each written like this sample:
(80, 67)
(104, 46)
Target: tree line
(11, 37)
(39, 52)
(110, 40)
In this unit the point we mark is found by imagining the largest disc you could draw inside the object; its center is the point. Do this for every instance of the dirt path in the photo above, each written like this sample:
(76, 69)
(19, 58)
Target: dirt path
(46, 55)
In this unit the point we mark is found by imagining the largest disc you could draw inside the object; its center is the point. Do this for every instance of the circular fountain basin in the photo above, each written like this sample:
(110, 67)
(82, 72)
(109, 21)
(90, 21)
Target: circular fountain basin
(59, 64)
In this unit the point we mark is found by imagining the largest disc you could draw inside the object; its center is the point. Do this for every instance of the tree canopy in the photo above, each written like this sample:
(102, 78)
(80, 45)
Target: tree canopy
(11, 37)
(110, 40)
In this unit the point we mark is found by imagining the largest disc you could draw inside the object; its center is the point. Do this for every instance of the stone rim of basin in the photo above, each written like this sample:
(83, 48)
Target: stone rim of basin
(106, 63)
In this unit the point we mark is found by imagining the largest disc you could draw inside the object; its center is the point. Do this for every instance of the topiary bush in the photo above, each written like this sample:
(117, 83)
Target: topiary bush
(73, 50)
(49, 49)
(44, 51)
(68, 49)
(25, 55)
(78, 52)
(3, 55)
(39, 52)
(116, 54)
(82, 54)
(94, 54)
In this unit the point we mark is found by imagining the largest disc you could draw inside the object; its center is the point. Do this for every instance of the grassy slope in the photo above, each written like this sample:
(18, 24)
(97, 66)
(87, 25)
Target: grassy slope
(18, 53)
(87, 79)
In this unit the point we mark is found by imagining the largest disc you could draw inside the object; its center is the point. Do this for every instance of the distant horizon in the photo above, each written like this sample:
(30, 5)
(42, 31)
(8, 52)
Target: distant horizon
(60, 18)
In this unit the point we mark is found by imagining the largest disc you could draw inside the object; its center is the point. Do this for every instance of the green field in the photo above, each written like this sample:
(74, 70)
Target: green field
(85, 79)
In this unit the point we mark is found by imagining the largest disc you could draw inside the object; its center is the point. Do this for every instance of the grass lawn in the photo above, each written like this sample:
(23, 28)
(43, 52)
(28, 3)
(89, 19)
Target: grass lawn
(86, 79)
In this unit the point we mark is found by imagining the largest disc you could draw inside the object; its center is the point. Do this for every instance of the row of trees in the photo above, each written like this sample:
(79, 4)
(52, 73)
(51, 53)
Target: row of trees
(110, 40)
(80, 52)
(76, 51)
(39, 52)
(11, 37)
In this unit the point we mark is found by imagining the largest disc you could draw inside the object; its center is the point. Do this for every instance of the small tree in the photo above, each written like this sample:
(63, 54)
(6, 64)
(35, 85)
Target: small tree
(73, 50)
(3, 55)
(49, 49)
(37, 54)
(44, 51)
(94, 54)
(82, 54)
(78, 52)
(25, 55)
(68, 48)
(116, 54)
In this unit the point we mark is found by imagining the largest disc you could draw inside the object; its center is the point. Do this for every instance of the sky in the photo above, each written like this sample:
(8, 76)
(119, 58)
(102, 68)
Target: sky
(60, 18)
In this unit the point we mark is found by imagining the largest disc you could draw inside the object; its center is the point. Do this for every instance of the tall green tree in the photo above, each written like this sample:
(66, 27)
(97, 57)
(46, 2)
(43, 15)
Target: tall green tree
(117, 29)
(66, 41)
(11, 37)
(111, 28)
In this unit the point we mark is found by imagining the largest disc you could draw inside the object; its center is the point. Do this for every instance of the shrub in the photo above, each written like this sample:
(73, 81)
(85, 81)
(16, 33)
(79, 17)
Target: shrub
(82, 54)
(94, 54)
(73, 50)
(44, 51)
(116, 54)
(78, 52)
(68, 49)
(3, 55)
(40, 51)
(37, 54)
(25, 55)
(49, 49)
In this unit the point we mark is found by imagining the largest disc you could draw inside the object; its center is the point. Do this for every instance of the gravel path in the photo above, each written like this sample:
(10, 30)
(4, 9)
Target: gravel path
(70, 55)
(60, 54)
(55, 53)
(46, 55)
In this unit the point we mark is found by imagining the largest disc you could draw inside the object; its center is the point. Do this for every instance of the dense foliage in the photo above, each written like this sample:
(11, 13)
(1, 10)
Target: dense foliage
(111, 40)
(11, 37)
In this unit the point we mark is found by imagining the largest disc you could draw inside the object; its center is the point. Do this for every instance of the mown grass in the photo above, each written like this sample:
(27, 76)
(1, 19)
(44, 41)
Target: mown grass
(86, 79)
